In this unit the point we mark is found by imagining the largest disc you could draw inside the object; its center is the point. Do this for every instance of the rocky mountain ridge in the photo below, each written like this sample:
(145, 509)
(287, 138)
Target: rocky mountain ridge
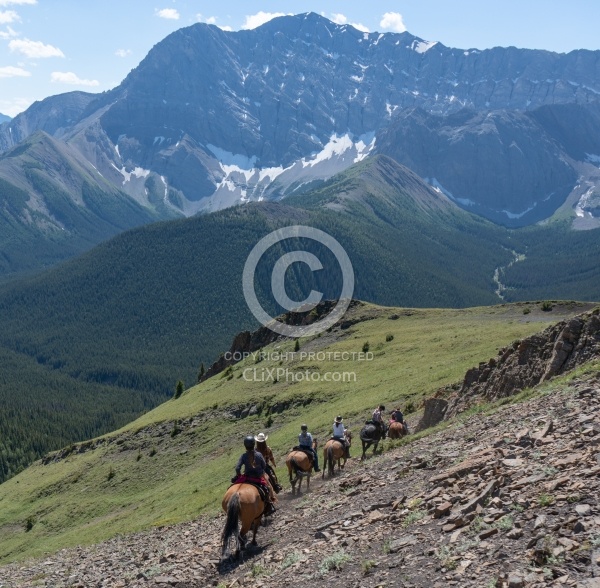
(213, 118)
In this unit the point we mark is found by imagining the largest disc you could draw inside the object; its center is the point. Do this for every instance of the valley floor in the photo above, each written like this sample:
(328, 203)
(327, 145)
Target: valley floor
(510, 498)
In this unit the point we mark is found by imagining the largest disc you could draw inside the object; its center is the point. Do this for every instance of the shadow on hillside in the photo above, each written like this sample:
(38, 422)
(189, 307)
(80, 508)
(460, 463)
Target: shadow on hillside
(251, 551)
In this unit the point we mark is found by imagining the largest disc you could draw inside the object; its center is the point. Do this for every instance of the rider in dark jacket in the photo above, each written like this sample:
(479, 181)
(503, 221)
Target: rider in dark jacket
(254, 472)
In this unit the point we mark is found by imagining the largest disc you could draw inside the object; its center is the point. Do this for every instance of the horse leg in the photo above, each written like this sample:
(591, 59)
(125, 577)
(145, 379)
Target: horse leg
(307, 482)
(255, 526)
(365, 447)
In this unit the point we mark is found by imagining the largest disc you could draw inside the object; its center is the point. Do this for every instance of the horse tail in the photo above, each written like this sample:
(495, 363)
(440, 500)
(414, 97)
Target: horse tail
(330, 460)
(295, 466)
(231, 524)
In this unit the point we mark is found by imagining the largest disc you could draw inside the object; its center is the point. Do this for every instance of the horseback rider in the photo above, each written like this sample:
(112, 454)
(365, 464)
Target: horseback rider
(339, 434)
(377, 419)
(265, 450)
(398, 417)
(254, 473)
(305, 442)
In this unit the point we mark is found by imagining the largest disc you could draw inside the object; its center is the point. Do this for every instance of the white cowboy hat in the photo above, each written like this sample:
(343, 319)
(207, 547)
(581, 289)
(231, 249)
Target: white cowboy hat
(338, 419)
(261, 437)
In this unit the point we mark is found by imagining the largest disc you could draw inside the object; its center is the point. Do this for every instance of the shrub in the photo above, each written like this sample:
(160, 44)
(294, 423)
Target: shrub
(366, 347)
(111, 473)
(366, 566)
(297, 345)
(545, 499)
(389, 338)
(526, 310)
(29, 522)
(546, 306)
(334, 561)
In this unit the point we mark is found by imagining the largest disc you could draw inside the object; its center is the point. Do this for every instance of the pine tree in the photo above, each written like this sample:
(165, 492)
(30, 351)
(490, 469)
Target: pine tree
(179, 389)
(201, 372)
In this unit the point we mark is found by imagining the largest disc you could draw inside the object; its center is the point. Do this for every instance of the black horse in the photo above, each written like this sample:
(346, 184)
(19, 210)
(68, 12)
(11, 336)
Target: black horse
(370, 434)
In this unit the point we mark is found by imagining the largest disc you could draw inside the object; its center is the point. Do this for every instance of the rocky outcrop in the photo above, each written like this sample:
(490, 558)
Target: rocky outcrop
(246, 342)
(528, 362)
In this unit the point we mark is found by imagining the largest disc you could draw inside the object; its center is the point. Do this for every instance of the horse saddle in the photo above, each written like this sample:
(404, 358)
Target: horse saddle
(306, 451)
(263, 491)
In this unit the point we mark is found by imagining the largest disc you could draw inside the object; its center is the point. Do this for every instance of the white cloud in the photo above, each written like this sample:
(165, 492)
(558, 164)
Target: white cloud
(342, 19)
(225, 28)
(122, 52)
(17, 2)
(15, 106)
(13, 72)
(339, 19)
(9, 33)
(208, 20)
(260, 18)
(68, 77)
(168, 13)
(7, 16)
(392, 21)
(34, 49)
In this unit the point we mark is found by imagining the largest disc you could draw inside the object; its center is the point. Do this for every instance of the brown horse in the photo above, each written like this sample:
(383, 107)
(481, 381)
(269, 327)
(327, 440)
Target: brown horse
(332, 452)
(396, 430)
(299, 467)
(241, 501)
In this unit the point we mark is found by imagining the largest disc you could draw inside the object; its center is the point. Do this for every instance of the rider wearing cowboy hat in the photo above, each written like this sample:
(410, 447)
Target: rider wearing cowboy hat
(262, 447)
(305, 442)
(339, 434)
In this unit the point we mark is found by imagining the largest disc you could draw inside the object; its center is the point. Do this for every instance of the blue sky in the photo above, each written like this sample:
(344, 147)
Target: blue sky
(52, 46)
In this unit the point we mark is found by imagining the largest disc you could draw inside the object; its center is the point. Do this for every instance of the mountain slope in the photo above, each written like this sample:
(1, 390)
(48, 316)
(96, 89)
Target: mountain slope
(145, 309)
(217, 118)
(402, 509)
(4, 118)
(508, 166)
(136, 314)
(55, 205)
(175, 461)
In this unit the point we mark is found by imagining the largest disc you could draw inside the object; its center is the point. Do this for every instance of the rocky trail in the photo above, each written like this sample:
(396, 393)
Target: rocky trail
(510, 499)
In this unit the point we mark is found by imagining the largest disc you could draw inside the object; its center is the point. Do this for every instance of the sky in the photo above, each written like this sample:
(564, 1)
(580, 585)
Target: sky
(49, 47)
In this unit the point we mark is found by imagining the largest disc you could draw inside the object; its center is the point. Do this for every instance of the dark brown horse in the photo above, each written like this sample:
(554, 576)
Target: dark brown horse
(241, 502)
(299, 467)
(370, 434)
(396, 430)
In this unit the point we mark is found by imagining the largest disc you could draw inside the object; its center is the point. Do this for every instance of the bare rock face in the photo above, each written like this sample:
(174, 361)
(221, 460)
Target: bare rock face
(504, 165)
(207, 109)
(434, 412)
(525, 363)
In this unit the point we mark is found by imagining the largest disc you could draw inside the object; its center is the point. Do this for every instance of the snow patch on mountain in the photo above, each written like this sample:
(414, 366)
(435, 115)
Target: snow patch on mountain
(137, 172)
(243, 182)
(583, 203)
(422, 46)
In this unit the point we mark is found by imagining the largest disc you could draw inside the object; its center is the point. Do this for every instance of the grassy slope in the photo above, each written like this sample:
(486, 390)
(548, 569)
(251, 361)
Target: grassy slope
(123, 487)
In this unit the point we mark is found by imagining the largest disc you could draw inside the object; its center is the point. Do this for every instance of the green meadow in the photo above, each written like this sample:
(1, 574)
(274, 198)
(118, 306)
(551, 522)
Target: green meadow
(174, 462)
